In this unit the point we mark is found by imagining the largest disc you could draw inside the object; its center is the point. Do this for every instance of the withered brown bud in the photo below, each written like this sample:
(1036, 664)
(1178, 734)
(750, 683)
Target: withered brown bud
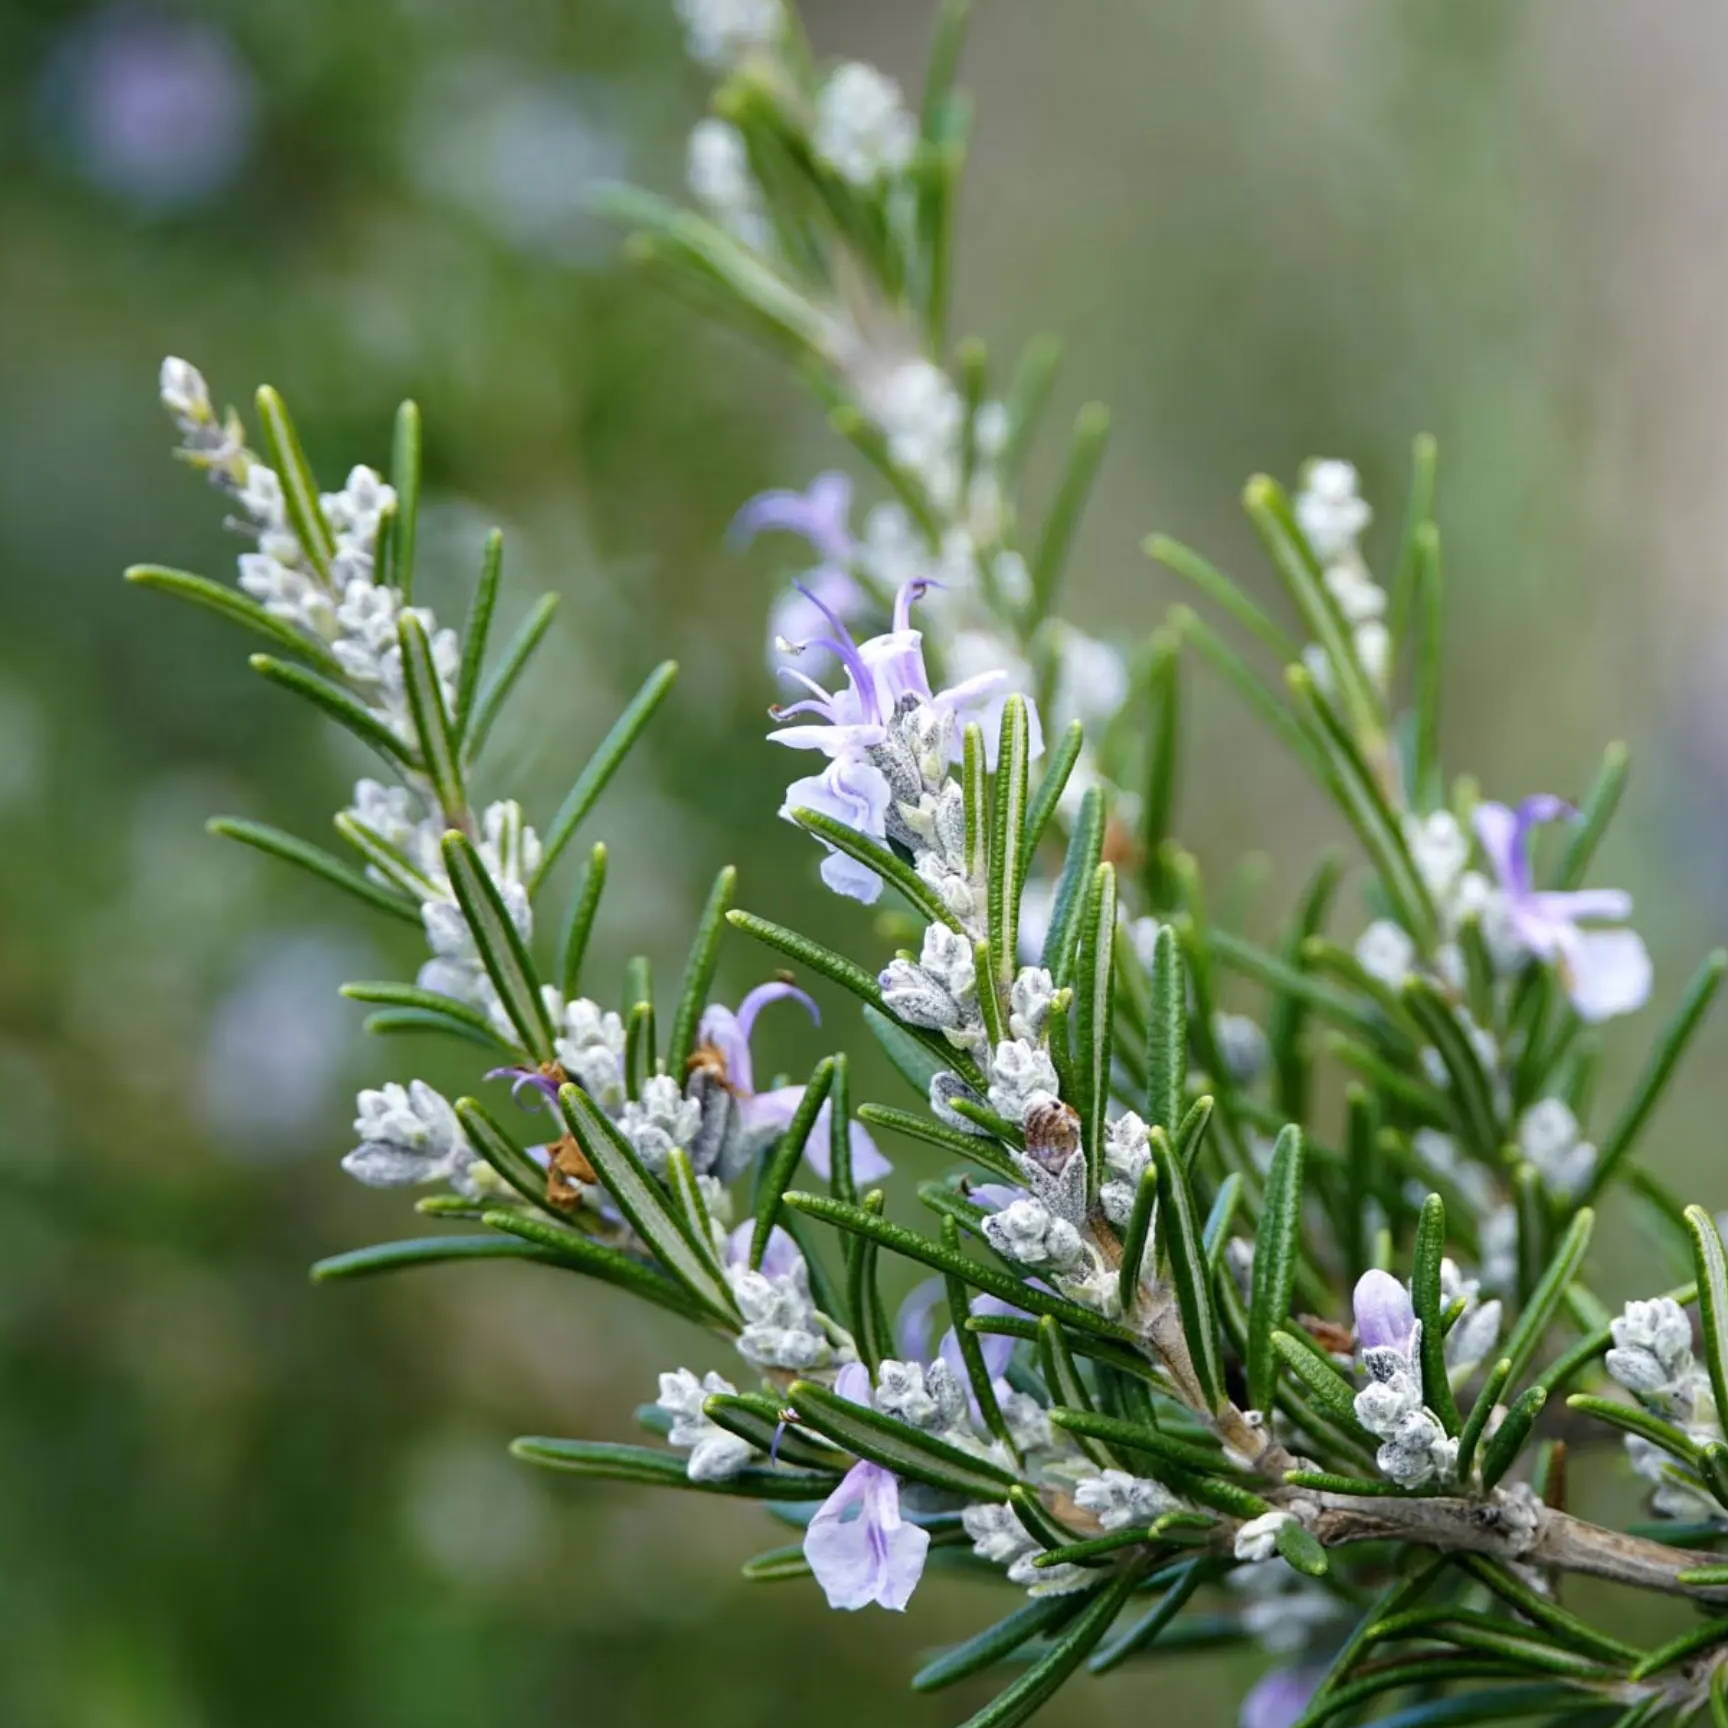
(1052, 1134)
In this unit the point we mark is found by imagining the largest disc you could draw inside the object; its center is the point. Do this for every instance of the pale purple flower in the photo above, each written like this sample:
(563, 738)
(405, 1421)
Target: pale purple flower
(859, 1547)
(862, 727)
(1278, 1699)
(819, 515)
(881, 674)
(766, 1113)
(1606, 972)
(1385, 1316)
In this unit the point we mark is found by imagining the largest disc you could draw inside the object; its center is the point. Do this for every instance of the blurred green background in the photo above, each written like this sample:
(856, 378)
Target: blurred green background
(1282, 228)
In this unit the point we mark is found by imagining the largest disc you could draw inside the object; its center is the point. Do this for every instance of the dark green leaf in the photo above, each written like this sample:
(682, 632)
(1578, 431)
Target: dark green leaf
(1138, 1234)
(500, 946)
(1425, 1295)
(899, 1240)
(604, 763)
(1038, 1615)
(642, 1200)
(1664, 1057)
(1085, 451)
(477, 630)
(237, 608)
(581, 925)
(488, 702)
(1527, 1335)
(1166, 1034)
(898, 1446)
(1188, 1264)
(1085, 847)
(343, 708)
(1507, 1441)
(405, 479)
(783, 1160)
(439, 748)
(667, 1470)
(1094, 1021)
(299, 489)
(1050, 788)
(1277, 1248)
(698, 977)
(610, 1265)
(1475, 1425)
(296, 851)
(1039, 1683)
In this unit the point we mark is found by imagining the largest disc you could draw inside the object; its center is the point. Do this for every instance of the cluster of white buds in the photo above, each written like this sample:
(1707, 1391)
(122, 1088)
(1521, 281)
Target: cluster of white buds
(863, 130)
(716, 1454)
(409, 1135)
(939, 990)
(1652, 1357)
(721, 33)
(1476, 1330)
(1550, 1138)
(1127, 1152)
(1022, 1078)
(1415, 1448)
(590, 1048)
(999, 1537)
(1119, 1501)
(345, 610)
(781, 1326)
(1256, 1540)
(718, 168)
(920, 415)
(923, 1395)
(662, 1120)
(1333, 515)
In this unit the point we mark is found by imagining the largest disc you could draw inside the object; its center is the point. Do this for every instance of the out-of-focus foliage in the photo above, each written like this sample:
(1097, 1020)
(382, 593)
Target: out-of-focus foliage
(1264, 232)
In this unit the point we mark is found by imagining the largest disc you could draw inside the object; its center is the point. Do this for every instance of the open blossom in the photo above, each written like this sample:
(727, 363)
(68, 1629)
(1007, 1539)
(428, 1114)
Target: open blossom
(889, 737)
(1605, 972)
(764, 1115)
(859, 1547)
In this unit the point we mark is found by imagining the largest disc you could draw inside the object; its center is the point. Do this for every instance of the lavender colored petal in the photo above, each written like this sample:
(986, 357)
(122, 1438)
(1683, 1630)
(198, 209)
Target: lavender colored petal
(1385, 1317)
(1569, 906)
(721, 1028)
(777, 990)
(819, 515)
(1498, 833)
(1278, 1699)
(1607, 972)
(853, 1383)
(847, 877)
(995, 1196)
(779, 1260)
(770, 1110)
(859, 1547)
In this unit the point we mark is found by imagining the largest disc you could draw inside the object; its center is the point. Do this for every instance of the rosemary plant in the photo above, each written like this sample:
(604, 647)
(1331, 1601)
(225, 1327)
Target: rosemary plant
(1211, 1348)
